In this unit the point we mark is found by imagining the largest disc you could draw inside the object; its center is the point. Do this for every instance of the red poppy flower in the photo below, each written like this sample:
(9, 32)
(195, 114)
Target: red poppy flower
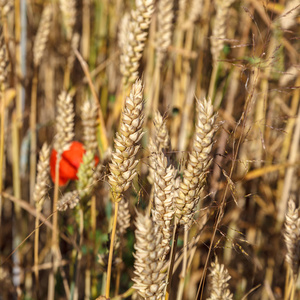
(69, 163)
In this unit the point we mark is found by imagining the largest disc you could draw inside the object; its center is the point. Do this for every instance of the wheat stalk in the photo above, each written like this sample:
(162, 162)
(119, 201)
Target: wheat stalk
(39, 195)
(62, 140)
(194, 175)
(42, 35)
(3, 78)
(124, 162)
(133, 39)
(219, 278)
(74, 45)
(149, 281)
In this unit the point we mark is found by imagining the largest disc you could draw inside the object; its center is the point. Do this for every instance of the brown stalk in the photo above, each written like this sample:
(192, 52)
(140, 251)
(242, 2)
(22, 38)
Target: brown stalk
(102, 128)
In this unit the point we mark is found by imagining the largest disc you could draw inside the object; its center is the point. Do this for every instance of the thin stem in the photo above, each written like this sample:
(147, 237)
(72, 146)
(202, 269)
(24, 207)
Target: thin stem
(102, 128)
(111, 250)
(2, 145)
(79, 257)
(172, 259)
(51, 288)
(36, 248)
(33, 137)
(184, 264)
(212, 82)
(118, 271)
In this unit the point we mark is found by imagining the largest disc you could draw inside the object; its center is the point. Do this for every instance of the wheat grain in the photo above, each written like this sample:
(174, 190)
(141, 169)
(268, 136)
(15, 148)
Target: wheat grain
(194, 175)
(219, 278)
(42, 35)
(64, 123)
(292, 236)
(42, 179)
(123, 162)
(149, 280)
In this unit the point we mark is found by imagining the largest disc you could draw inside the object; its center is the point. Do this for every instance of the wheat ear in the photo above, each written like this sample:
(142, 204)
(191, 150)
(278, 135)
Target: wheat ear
(42, 35)
(123, 217)
(124, 160)
(42, 179)
(123, 163)
(39, 196)
(292, 236)
(62, 140)
(134, 40)
(68, 10)
(219, 278)
(69, 201)
(165, 16)
(88, 174)
(89, 115)
(219, 28)
(164, 182)
(194, 175)
(149, 281)
(64, 122)
(161, 141)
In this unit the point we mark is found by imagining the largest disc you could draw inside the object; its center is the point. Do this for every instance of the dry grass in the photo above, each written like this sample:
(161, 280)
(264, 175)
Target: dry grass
(192, 108)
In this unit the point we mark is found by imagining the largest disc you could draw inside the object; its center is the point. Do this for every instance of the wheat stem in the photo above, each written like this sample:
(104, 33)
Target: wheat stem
(111, 250)
(2, 145)
(184, 264)
(172, 259)
(51, 285)
(33, 135)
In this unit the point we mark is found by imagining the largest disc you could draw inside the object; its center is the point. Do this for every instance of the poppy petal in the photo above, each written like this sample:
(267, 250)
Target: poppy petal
(66, 170)
(74, 154)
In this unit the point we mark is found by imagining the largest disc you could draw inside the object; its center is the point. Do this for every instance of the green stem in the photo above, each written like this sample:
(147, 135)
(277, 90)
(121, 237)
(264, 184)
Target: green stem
(111, 250)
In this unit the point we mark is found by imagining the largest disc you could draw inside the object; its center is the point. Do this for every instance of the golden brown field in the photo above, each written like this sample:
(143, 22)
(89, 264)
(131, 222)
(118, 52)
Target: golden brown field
(149, 149)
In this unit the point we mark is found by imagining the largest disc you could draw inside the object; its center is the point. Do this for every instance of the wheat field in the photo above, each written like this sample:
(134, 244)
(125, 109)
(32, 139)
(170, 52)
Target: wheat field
(149, 149)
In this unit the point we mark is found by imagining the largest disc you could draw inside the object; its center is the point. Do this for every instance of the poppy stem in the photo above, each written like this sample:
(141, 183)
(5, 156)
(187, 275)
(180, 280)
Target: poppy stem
(111, 250)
